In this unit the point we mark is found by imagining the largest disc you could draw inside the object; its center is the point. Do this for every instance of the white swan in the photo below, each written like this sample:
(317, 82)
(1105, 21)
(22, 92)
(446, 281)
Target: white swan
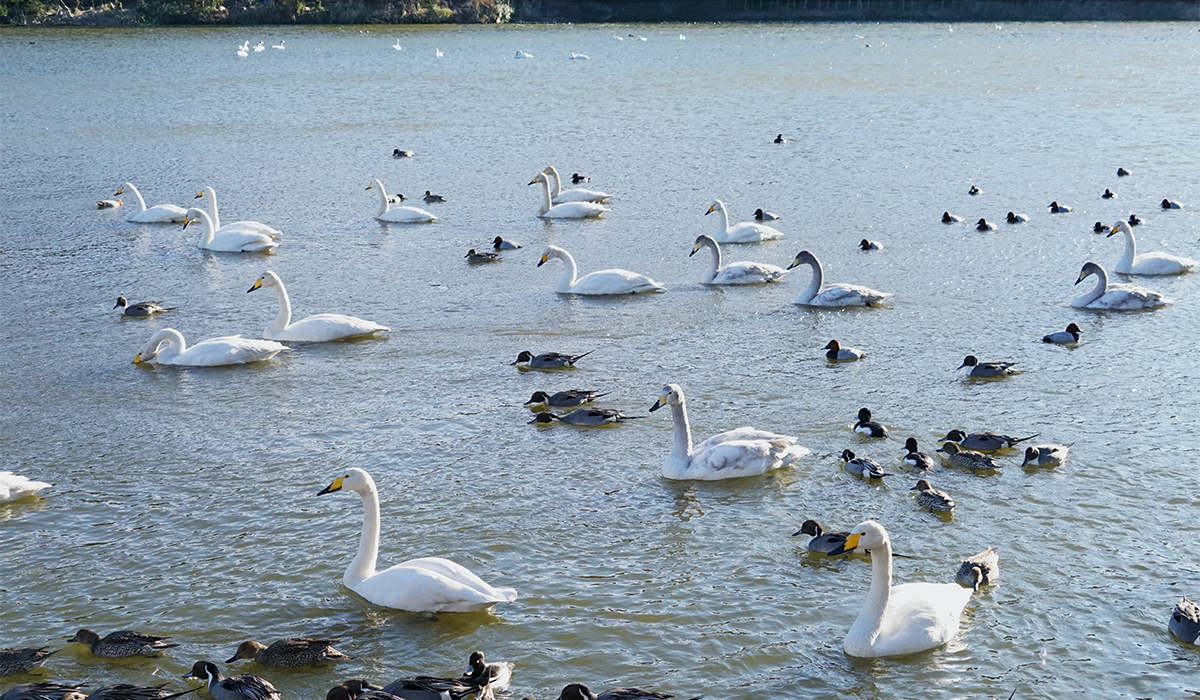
(429, 584)
(317, 328)
(819, 294)
(576, 194)
(566, 210)
(228, 241)
(728, 455)
(398, 215)
(397, 45)
(243, 52)
(167, 347)
(904, 619)
(745, 232)
(280, 45)
(1118, 297)
(246, 226)
(14, 487)
(259, 47)
(1156, 263)
(158, 214)
(600, 282)
(734, 273)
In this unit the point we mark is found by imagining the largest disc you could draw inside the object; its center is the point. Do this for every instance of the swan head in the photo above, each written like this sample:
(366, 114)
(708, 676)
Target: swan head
(539, 397)
(702, 241)
(203, 670)
(969, 361)
(803, 258)
(955, 435)
(867, 535)
(247, 650)
(1089, 268)
(354, 479)
(551, 251)
(835, 345)
(540, 177)
(1119, 227)
(207, 190)
(671, 395)
(194, 215)
(716, 204)
(910, 444)
(810, 527)
(150, 350)
(269, 279)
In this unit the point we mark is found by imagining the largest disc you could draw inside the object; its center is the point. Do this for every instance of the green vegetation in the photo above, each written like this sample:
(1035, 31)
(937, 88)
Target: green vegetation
(166, 12)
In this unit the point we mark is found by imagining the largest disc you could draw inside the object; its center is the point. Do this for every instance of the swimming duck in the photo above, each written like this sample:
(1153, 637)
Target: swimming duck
(760, 215)
(967, 458)
(14, 487)
(986, 440)
(862, 466)
(779, 139)
(499, 243)
(474, 257)
(1134, 220)
(987, 369)
(141, 308)
(1100, 228)
(979, 569)
(576, 194)
(821, 542)
(1056, 208)
(364, 691)
(599, 283)
(1122, 172)
(834, 351)
(402, 153)
(549, 360)
(119, 645)
(1155, 263)
(46, 690)
(577, 691)
(1071, 335)
(974, 190)
(493, 676)
(577, 179)
(424, 688)
(1108, 194)
(431, 197)
(1166, 204)
(14, 661)
(819, 294)
(983, 225)
(243, 687)
(124, 691)
(1014, 218)
(1185, 621)
(915, 459)
(728, 455)
(570, 397)
(864, 244)
(743, 272)
(564, 210)
(868, 427)
(1116, 297)
(743, 232)
(948, 218)
(289, 652)
(1045, 455)
(932, 499)
(584, 416)
(117, 203)
(395, 198)
(398, 215)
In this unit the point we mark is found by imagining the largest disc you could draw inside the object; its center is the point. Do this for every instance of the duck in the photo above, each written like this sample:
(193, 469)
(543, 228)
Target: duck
(237, 241)
(430, 197)
(948, 218)
(45, 690)
(167, 347)
(246, 226)
(1122, 172)
(915, 458)
(318, 328)
(1185, 621)
(986, 440)
(549, 360)
(820, 541)
(1115, 297)
(499, 243)
(744, 232)
(363, 692)
(1070, 335)
(474, 257)
(243, 687)
(158, 214)
(760, 215)
(584, 416)
(576, 194)
(1014, 218)
(403, 153)
(125, 691)
(599, 283)
(1155, 263)
(904, 619)
(577, 179)
(865, 244)
(428, 584)
(141, 308)
(565, 210)
(862, 466)
(110, 203)
(983, 225)
(967, 458)
(779, 139)
(570, 397)
(289, 652)
(743, 272)
(430, 688)
(578, 691)
(14, 661)
(1099, 227)
(974, 190)
(734, 453)
(1108, 194)
(395, 198)
(1056, 208)
(987, 369)
(931, 498)
(1045, 455)
(836, 353)
(398, 215)
(493, 676)
(1134, 220)
(819, 294)
(868, 427)
(1168, 204)
(979, 569)
(14, 487)
(122, 644)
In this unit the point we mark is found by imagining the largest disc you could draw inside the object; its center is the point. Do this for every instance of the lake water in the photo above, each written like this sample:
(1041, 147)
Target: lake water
(184, 499)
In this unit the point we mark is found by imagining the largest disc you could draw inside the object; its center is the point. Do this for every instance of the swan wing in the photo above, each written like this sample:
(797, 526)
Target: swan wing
(15, 486)
(578, 194)
(160, 214)
(614, 282)
(241, 242)
(919, 616)
(574, 210)
(748, 273)
(407, 215)
(749, 232)
(431, 584)
(251, 227)
(847, 295)
(228, 350)
(1125, 297)
(735, 458)
(320, 328)
(1159, 263)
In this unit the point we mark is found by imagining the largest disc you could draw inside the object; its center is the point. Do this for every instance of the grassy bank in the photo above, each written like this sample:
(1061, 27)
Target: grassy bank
(249, 12)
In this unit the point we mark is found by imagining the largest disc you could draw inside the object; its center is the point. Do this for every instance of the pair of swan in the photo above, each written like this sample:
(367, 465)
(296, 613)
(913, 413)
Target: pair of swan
(167, 347)
(734, 273)
(14, 487)
(245, 226)
(820, 294)
(597, 283)
(1156, 263)
(158, 214)
(398, 215)
(744, 232)
(318, 328)
(566, 210)
(232, 241)
(429, 584)
(734, 453)
(1114, 297)
(576, 194)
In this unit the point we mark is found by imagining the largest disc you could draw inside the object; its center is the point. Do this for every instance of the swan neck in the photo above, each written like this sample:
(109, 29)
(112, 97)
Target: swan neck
(814, 285)
(723, 222)
(715, 267)
(284, 318)
(176, 345)
(363, 566)
(1130, 255)
(138, 195)
(1097, 292)
(570, 271)
(212, 206)
(683, 431)
(546, 201)
(557, 181)
(383, 202)
(867, 625)
(210, 231)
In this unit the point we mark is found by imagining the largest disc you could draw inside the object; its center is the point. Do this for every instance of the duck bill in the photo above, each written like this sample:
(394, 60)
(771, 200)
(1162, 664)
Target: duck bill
(960, 366)
(847, 546)
(235, 658)
(335, 486)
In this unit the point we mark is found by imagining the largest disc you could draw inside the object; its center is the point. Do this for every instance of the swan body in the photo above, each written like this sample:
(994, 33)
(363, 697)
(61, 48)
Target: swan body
(1045, 455)
(1071, 335)
(904, 619)
(428, 584)
(836, 353)
(578, 56)
(1115, 297)
(159, 214)
(566, 210)
(318, 328)
(728, 455)
(820, 541)
(280, 45)
(398, 215)
(246, 226)
(948, 218)
(737, 272)
(397, 45)
(15, 487)
(597, 283)
(744, 232)
(259, 47)
(1156, 263)
(819, 294)
(229, 241)
(242, 52)
(576, 194)
(915, 458)
(167, 347)
(931, 498)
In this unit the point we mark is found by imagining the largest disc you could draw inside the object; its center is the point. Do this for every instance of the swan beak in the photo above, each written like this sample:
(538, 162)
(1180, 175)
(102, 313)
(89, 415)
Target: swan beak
(369, 186)
(543, 260)
(533, 181)
(138, 360)
(1081, 278)
(198, 197)
(658, 404)
(710, 209)
(187, 221)
(794, 262)
(119, 191)
(257, 285)
(335, 486)
(847, 546)
(695, 247)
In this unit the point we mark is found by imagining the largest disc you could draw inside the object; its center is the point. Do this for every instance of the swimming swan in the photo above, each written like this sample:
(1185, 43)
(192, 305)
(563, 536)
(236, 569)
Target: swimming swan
(167, 347)
(600, 282)
(318, 328)
(14, 487)
(734, 273)
(819, 294)
(158, 214)
(228, 241)
(428, 584)
(398, 215)
(1117, 297)
(566, 210)
(904, 619)
(576, 194)
(1156, 263)
(248, 226)
(744, 232)
(728, 455)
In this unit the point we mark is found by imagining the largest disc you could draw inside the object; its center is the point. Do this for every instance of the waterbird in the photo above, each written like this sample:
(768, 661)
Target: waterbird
(45, 690)
(499, 243)
(760, 215)
(14, 487)
(141, 308)
(570, 397)
(214, 213)
(1070, 335)
(575, 194)
(578, 56)
(244, 687)
(584, 416)
(397, 45)
(862, 466)
(948, 218)
(984, 440)
(915, 458)
(865, 244)
(14, 661)
(743, 272)
(578, 691)
(835, 352)
(599, 283)
(228, 241)
(280, 45)
(168, 347)
(1168, 204)
(1154, 263)
(475, 257)
(402, 153)
(259, 47)
(967, 458)
(1122, 172)
(820, 541)
(1014, 218)
(1134, 220)
(495, 675)
(576, 178)
(743, 232)
(819, 294)
(987, 369)
(974, 190)
(289, 652)
(564, 210)
(1100, 228)
(549, 360)
(780, 139)
(1185, 621)
(983, 225)
(1045, 455)
(318, 328)
(121, 644)
(431, 197)
(1108, 194)
(868, 427)
(979, 569)
(125, 691)
(931, 498)
(400, 215)
(1056, 208)
(522, 54)
(1117, 297)
(158, 214)
(109, 204)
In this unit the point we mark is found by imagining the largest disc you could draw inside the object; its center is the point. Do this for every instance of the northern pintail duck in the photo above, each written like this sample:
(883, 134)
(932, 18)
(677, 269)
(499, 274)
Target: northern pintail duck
(1045, 455)
(983, 225)
(424, 688)
(1014, 218)
(862, 466)
(1108, 194)
(402, 153)
(499, 243)
(431, 197)
(570, 397)
(46, 690)
(820, 541)
(779, 139)
(1071, 335)
(1056, 208)
(495, 675)
(585, 416)
(243, 687)
(549, 360)
(865, 244)
(474, 257)
(985, 440)
(979, 569)
(1168, 204)
(1134, 220)
(967, 458)
(289, 652)
(578, 691)
(125, 691)
(987, 369)
(362, 691)
(141, 308)
(915, 459)
(974, 190)
(118, 203)
(1099, 227)
(868, 427)
(1122, 172)
(948, 218)
(932, 499)
(578, 179)
(1185, 621)
(14, 661)
(121, 644)
(835, 352)
(760, 215)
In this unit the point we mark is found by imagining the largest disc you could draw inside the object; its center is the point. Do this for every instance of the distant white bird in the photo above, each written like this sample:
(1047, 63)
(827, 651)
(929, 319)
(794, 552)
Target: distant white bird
(243, 52)
(259, 47)
(438, 52)
(522, 54)
(397, 45)
(578, 57)
(682, 37)
(280, 45)
(14, 487)
(615, 38)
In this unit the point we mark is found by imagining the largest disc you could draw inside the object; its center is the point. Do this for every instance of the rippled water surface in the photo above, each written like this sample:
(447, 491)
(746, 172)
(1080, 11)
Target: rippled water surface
(184, 500)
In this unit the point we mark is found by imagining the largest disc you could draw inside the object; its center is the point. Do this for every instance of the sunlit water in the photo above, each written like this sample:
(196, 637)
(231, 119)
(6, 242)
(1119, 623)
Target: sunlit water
(184, 501)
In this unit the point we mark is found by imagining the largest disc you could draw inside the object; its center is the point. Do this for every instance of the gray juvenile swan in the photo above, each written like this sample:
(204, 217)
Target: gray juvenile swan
(1115, 297)
(743, 272)
(819, 294)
